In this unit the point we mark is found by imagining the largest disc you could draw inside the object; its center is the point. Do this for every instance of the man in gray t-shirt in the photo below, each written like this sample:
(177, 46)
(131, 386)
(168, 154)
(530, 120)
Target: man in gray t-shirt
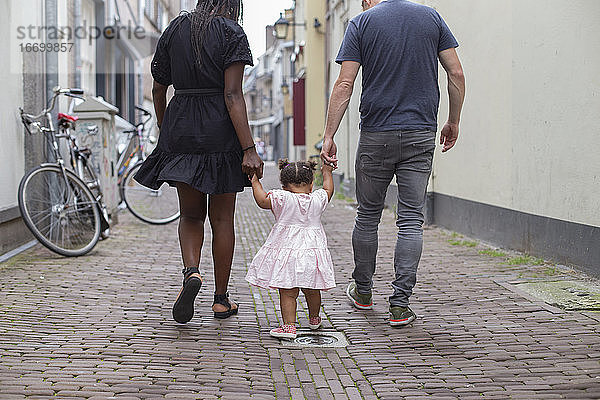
(398, 44)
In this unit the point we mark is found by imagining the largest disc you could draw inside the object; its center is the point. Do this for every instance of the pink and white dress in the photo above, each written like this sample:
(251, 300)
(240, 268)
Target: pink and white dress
(295, 254)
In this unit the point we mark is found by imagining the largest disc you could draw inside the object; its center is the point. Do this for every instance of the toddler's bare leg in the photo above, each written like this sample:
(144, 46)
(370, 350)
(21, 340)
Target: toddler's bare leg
(287, 299)
(313, 298)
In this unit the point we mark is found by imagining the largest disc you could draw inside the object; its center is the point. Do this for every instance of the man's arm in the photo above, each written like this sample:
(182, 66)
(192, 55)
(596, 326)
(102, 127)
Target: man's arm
(456, 93)
(338, 103)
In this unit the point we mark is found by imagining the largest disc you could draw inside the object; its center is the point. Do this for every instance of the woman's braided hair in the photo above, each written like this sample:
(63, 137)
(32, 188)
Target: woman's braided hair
(296, 173)
(202, 16)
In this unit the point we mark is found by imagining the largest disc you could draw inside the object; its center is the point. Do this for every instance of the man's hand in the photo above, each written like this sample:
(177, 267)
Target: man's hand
(252, 164)
(328, 153)
(448, 136)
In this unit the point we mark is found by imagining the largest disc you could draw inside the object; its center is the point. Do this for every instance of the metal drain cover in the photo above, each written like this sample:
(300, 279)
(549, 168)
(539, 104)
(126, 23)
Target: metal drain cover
(308, 338)
(568, 295)
(316, 340)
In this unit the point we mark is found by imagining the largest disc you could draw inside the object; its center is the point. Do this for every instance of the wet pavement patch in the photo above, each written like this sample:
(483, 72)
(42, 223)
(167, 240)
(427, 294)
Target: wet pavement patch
(568, 295)
(323, 338)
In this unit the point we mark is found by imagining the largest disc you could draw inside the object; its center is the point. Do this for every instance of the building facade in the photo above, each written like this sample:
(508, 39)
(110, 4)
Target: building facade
(267, 96)
(314, 73)
(274, 92)
(23, 84)
(525, 173)
(291, 75)
(108, 45)
(339, 12)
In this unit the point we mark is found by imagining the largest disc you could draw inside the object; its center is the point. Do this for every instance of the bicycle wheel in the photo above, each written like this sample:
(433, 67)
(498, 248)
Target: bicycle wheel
(61, 214)
(156, 207)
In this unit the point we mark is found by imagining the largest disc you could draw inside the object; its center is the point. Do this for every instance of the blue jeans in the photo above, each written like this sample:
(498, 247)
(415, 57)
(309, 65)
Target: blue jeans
(408, 155)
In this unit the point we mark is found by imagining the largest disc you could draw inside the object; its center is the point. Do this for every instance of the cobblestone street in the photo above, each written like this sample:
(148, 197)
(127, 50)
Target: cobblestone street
(100, 326)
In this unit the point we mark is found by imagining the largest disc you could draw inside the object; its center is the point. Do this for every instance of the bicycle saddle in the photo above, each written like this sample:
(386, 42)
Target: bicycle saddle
(67, 117)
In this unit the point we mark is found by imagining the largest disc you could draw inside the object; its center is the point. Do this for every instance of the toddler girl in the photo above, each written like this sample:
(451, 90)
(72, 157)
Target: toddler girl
(295, 256)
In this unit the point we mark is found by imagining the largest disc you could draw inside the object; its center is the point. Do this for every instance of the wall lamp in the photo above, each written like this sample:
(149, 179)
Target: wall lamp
(282, 25)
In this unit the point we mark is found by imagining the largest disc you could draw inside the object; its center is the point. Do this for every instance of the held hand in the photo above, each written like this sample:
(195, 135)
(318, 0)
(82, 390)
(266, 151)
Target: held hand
(448, 136)
(327, 168)
(328, 152)
(252, 164)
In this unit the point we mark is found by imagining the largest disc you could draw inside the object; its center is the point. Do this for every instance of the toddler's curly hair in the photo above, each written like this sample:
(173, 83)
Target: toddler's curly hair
(296, 173)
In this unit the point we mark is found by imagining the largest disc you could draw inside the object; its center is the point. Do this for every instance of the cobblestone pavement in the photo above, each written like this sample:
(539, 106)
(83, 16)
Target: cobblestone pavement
(100, 326)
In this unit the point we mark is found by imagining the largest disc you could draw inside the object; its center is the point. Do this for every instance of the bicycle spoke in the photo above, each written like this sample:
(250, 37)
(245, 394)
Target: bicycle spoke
(43, 219)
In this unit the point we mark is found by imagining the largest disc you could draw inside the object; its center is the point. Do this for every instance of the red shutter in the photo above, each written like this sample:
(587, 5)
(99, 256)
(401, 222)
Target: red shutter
(299, 113)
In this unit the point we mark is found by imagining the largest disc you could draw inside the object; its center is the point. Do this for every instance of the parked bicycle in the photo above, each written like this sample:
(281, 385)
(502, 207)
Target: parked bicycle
(57, 205)
(152, 206)
(63, 207)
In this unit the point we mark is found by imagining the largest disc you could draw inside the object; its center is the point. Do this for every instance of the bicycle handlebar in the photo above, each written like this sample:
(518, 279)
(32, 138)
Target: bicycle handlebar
(71, 92)
(146, 112)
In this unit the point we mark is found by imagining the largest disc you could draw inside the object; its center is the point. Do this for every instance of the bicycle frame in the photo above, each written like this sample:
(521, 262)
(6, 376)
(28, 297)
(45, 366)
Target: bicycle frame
(79, 160)
(135, 147)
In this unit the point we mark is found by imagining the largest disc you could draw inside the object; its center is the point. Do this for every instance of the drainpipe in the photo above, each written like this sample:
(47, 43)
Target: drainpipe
(51, 56)
(77, 44)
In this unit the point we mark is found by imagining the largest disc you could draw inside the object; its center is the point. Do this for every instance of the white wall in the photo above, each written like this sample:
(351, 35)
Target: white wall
(530, 129)
(16, 13)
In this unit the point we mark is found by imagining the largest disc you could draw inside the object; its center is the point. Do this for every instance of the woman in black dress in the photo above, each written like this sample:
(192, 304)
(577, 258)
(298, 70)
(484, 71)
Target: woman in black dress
(205, 147)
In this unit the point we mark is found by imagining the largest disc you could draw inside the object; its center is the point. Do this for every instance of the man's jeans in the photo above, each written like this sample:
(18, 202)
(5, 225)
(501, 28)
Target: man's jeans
(408, 155)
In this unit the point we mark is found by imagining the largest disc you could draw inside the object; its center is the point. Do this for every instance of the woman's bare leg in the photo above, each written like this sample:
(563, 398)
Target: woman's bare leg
(221, 208)
(313, 299)
(192, 205)
(287, 300)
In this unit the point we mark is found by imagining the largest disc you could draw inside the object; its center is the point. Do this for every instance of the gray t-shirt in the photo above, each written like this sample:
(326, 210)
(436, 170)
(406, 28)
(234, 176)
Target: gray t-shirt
(397, 43)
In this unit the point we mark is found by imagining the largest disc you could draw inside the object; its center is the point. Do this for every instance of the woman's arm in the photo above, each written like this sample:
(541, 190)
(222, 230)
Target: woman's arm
(259, 193)
(328, 185)
(236, 105)
(159, 97)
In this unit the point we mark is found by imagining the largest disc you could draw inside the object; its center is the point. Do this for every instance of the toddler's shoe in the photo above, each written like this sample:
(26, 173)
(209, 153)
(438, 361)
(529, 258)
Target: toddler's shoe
(314, 322)
(284, 331)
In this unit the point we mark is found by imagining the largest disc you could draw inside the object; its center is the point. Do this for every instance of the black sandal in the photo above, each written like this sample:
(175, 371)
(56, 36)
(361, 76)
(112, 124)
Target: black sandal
(224, 300)
(183, 309)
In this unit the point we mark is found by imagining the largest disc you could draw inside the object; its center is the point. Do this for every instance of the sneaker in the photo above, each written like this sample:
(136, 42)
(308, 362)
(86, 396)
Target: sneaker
(360, 301)
(314, 322)
(284, 331)
(400, 316)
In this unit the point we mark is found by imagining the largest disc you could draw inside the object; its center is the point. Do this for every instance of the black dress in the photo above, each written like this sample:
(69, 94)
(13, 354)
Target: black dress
(198, 144)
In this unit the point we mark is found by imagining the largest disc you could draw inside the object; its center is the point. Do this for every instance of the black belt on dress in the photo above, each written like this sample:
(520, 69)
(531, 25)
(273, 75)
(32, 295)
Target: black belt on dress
(199, 92)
